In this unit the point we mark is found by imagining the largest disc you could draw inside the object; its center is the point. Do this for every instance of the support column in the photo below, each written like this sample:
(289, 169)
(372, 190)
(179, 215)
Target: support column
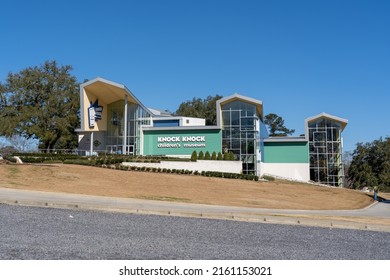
(125, 128)
(91, 144)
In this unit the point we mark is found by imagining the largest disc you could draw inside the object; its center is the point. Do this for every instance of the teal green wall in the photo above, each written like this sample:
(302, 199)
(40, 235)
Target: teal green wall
(286, 152)
(213, 142)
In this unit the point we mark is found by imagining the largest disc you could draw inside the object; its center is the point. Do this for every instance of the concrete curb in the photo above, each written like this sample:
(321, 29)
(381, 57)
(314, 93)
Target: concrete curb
(267, 218)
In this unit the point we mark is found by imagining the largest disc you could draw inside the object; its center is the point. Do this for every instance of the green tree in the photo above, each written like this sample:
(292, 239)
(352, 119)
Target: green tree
(200, 108)
(275, 125)
(201, 155)
(207, 155)
(219, 157)
(370, 165)
(42, 103)
(214, 156)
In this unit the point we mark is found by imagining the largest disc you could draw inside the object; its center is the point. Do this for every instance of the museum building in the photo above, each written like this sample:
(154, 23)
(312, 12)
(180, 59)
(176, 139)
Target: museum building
(113, 120)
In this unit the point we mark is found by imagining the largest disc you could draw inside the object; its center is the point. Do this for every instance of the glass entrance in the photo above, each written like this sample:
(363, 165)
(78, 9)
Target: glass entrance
(118, 149)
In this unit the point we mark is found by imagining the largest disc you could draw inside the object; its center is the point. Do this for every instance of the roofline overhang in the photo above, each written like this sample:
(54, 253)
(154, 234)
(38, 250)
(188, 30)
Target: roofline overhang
(121, 86)
(285, 139)
(234, 97)
(342, 121)
(208, 127)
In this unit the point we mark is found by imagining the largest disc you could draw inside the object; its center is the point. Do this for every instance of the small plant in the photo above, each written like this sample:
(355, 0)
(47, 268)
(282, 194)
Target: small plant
(226, 156)
(201, 155)
(214, 156)
(194, 156)
(219, 157)
(207, 156)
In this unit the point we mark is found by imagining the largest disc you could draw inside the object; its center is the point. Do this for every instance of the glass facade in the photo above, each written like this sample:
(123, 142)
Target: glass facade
(325, 151)
(239, 133)
(136, 117)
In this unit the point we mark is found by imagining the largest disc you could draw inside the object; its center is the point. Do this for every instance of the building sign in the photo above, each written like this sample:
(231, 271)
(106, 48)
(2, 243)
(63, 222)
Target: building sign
(94, 113)
(181, 141)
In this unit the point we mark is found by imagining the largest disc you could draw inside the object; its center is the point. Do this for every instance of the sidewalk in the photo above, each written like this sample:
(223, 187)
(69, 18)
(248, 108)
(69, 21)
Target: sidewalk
(375, 217)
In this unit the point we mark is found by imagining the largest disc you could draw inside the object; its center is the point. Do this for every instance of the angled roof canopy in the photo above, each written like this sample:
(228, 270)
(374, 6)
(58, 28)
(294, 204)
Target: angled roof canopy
(109, 91)
(342, 121)
(236, 96)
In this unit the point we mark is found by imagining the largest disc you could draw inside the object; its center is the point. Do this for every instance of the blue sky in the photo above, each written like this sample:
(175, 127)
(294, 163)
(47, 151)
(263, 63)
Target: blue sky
(300, 57)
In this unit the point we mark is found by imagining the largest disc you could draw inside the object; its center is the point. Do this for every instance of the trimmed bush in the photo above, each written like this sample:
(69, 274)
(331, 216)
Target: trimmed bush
(226, 156)
(214, 156)
(201, 155)
(194, 156)
(207, 156)
(219, 157)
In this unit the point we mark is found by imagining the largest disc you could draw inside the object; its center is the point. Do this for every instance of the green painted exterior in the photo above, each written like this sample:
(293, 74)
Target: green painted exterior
(286, 152)
(208, 140)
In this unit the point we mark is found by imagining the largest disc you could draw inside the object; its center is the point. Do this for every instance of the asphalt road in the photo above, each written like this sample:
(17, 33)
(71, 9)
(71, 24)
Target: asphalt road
(44, 233)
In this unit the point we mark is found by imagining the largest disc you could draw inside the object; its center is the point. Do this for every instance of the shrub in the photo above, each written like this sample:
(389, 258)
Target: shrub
(219, 157)
(201, 155)
(194, 156)
(226, 156)
(10, 158)
(214, 156)
(196, 172)
(268, 178)
(231, 156)
(207, 156)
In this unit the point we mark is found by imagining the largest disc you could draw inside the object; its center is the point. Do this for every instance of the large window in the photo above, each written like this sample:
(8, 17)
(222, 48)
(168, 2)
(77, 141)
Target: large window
(239, 133)
(136, 117)
(325, 152)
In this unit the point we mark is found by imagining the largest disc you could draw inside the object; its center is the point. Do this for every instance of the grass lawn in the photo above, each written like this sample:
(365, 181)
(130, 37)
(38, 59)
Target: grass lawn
(179, 188)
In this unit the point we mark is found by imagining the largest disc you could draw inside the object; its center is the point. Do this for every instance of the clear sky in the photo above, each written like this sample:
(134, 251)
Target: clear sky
(300, 57)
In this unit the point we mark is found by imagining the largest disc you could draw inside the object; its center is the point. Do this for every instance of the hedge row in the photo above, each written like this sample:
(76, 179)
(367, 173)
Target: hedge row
(187, 172)
(105, 159)
(214, 156)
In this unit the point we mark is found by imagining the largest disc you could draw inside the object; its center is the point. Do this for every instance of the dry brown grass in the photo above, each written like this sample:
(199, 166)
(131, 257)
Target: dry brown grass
(180, 188)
